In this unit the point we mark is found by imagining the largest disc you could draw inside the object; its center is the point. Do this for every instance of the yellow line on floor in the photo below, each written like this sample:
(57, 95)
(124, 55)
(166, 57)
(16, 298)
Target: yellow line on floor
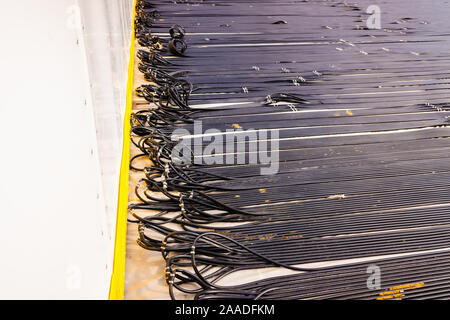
(116, 291)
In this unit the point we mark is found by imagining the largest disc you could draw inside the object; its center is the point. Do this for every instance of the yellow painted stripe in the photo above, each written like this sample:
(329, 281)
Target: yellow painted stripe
(116, 290)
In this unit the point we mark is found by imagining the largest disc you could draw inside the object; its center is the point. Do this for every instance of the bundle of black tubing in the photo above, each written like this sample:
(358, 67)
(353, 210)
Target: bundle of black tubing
(362, 144)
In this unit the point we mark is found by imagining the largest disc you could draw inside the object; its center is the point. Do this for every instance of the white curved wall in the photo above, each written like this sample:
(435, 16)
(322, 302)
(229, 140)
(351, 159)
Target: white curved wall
(63, 80)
